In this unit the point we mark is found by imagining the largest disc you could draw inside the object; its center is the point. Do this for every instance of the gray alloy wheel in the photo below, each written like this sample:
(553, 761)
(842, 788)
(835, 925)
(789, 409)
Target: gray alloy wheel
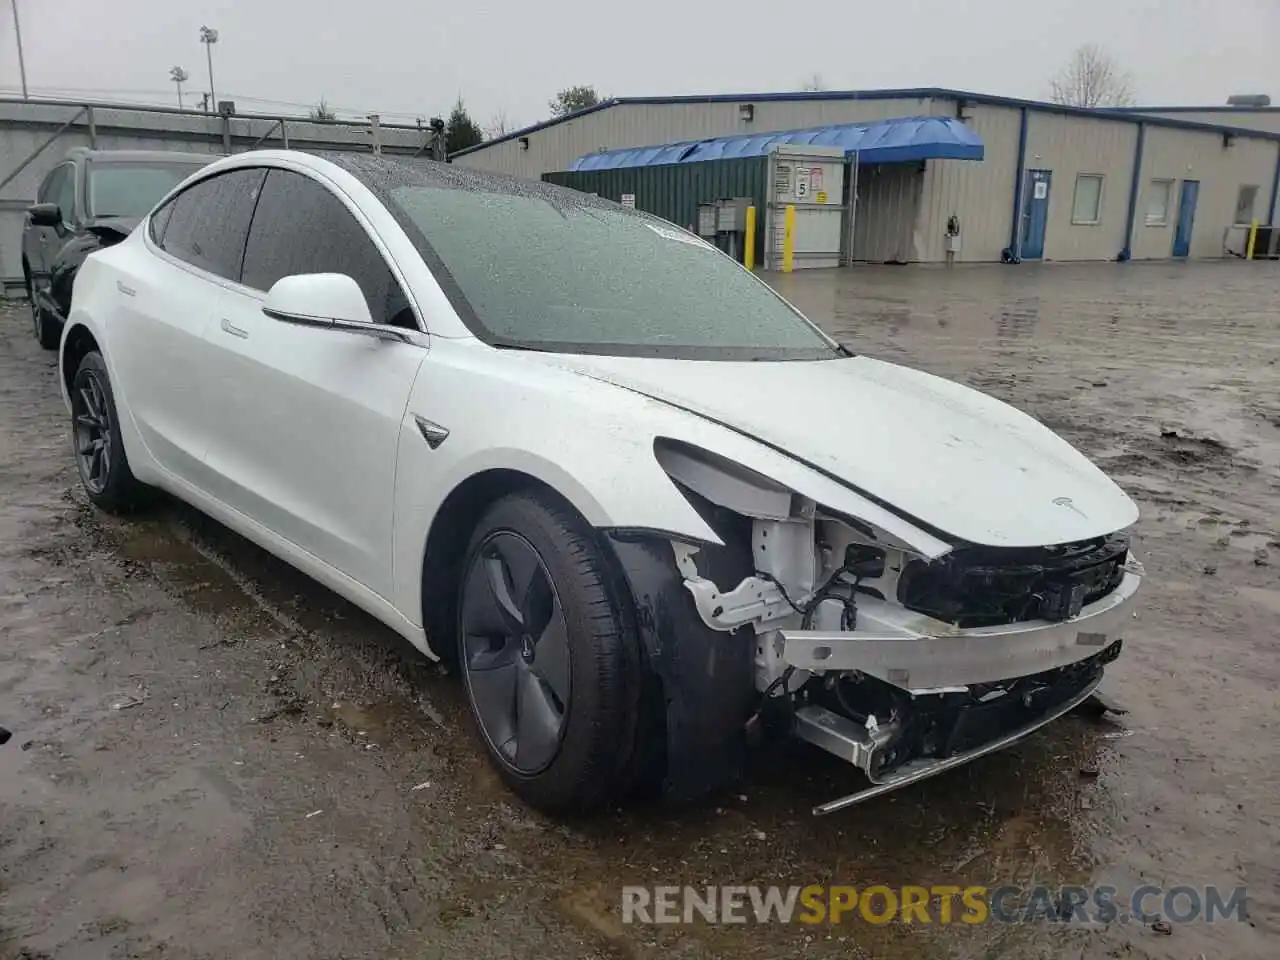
(515, 652)
(92, 423)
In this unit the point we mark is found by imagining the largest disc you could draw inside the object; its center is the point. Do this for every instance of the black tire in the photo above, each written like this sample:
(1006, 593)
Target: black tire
(48, 333)
(95, 438)
(596, 750)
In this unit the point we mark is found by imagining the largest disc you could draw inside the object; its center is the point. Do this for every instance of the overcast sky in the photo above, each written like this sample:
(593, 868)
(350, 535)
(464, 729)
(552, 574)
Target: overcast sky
(402, 57)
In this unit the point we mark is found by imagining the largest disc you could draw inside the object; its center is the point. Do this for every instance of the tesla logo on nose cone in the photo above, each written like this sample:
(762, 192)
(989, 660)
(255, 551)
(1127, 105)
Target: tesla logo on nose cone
(1068, 503)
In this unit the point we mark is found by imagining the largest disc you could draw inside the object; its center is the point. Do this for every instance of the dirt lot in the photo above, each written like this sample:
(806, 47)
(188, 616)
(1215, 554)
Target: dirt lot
(213, 757)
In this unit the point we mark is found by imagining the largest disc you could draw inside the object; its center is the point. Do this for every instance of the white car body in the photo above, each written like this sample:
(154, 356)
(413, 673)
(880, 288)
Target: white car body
(314, 444)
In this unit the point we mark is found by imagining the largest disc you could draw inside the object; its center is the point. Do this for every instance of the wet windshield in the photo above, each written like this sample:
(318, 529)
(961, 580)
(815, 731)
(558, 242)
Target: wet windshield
(532, 272)
(119, 189)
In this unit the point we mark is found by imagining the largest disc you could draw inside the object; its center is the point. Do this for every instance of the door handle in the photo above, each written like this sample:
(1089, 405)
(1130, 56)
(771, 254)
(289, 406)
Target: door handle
(231, 328)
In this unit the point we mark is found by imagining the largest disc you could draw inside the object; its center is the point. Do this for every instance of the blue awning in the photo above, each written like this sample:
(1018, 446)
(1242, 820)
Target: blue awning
(901, 140)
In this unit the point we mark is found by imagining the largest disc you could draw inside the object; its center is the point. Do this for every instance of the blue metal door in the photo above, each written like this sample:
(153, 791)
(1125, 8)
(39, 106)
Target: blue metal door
(1035, 213)
(1186, 217)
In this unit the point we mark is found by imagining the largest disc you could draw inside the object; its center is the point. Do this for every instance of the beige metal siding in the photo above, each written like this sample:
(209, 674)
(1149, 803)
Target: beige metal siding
(1178, 155)
(1265, 120)
(886, 217)
(645, 124)
(980, 193)
(1070, 146)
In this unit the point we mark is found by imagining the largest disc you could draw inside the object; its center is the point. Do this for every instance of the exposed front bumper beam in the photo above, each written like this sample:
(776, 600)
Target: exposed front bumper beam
(919, 654)
(847, 739)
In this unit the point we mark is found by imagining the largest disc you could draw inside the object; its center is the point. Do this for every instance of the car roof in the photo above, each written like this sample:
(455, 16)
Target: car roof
(140, 156)
(382, 174)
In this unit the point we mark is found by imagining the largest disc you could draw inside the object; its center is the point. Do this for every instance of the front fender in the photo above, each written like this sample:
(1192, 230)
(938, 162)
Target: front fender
(706, 677)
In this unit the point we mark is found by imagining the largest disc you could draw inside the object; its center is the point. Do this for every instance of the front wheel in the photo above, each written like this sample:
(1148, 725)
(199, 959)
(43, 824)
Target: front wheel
(95, 434)
(550, 662)
(48, 331)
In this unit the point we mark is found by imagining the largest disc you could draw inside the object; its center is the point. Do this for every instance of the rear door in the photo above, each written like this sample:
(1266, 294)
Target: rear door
(195, 244)
(309, 419)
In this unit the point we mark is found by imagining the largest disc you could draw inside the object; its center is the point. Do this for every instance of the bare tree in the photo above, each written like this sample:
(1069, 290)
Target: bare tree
(322, 111)
(498, 126)
(813, 83)
(1092, 78)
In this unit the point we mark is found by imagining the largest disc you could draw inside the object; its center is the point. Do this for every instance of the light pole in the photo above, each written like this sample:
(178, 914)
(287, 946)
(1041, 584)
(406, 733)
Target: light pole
(17, 32)
(209, 36)
(178, 76)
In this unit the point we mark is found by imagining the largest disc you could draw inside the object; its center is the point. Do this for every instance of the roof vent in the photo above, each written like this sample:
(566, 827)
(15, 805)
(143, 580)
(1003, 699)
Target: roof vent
(1249, 100)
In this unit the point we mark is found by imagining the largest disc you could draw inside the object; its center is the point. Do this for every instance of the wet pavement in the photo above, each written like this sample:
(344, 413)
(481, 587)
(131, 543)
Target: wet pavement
(214, 757)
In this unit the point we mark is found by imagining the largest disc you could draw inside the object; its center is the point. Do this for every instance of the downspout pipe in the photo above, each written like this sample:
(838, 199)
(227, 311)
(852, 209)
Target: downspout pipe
(1013, 252)
(1275, 189)
(1126, 253)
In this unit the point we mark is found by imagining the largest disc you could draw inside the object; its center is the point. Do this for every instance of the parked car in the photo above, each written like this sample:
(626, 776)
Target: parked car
(90, 200)
(648, 510)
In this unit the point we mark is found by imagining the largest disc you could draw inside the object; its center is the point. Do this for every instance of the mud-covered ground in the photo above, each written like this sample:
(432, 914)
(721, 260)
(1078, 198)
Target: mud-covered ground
(214, 758)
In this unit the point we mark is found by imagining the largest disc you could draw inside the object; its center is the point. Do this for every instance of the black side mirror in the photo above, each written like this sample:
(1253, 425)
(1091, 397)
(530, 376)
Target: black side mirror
(45, 214)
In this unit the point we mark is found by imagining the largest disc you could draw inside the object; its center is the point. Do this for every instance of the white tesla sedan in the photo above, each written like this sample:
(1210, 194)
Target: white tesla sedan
(648, 510)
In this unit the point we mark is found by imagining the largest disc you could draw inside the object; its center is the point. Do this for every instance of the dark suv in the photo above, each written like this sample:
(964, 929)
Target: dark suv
(90, 200)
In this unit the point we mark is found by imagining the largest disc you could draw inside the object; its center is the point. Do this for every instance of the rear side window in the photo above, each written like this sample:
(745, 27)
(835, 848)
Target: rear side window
(300, 227)
(207, 223)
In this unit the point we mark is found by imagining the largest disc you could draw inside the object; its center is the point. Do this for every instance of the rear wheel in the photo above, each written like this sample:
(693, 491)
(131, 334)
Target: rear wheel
(549, 660)
(95, 434)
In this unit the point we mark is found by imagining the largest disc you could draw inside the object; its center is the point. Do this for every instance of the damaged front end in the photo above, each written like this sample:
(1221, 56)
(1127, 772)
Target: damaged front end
(905, 659)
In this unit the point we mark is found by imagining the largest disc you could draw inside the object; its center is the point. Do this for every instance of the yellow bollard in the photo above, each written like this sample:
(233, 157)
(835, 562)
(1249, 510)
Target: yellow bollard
(1253, 238)
(789, 240)
(749, 250)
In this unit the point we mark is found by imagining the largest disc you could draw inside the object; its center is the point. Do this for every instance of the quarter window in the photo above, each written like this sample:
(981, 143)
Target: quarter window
(1086, 206)
(1159, 200)
(206, 224)
(301, 227)
(1246, 201)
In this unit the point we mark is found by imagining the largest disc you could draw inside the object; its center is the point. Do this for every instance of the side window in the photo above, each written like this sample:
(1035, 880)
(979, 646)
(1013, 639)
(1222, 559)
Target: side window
(300, 227)
(60, 188)
(207, 223)
(49, 189)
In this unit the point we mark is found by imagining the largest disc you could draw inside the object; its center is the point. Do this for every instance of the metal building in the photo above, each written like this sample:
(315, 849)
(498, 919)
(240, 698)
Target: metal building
(35, 136)
(1055, 183)
(814, 172)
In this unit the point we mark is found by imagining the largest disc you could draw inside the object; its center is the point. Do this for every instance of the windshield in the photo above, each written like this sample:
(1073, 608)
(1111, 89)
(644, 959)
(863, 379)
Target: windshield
(119, 189)
(537, 273)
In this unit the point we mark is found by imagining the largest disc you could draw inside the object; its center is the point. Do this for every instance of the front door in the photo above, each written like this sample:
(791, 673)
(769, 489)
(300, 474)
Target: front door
(40, 244)
(1186, 217)
(1035, 213)
(309, 419)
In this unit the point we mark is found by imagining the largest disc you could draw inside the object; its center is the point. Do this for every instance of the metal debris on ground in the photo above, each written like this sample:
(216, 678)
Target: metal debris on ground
(422, 786)
(126, 703)
(313, 813)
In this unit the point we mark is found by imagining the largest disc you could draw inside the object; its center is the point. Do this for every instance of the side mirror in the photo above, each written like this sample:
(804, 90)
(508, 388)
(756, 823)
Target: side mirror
(318, 300)
(45, 214)
(330, 301)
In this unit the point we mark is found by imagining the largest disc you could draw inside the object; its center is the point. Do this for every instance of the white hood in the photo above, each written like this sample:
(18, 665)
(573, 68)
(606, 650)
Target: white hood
(938, 452)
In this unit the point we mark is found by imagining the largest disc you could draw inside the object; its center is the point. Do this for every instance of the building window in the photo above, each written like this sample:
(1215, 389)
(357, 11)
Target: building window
(1087, 205)
(1159, 199)
(1245, 201)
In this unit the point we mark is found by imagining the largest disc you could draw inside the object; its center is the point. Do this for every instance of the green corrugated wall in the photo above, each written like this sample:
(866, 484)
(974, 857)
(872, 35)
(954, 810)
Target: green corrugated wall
(674, 190)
